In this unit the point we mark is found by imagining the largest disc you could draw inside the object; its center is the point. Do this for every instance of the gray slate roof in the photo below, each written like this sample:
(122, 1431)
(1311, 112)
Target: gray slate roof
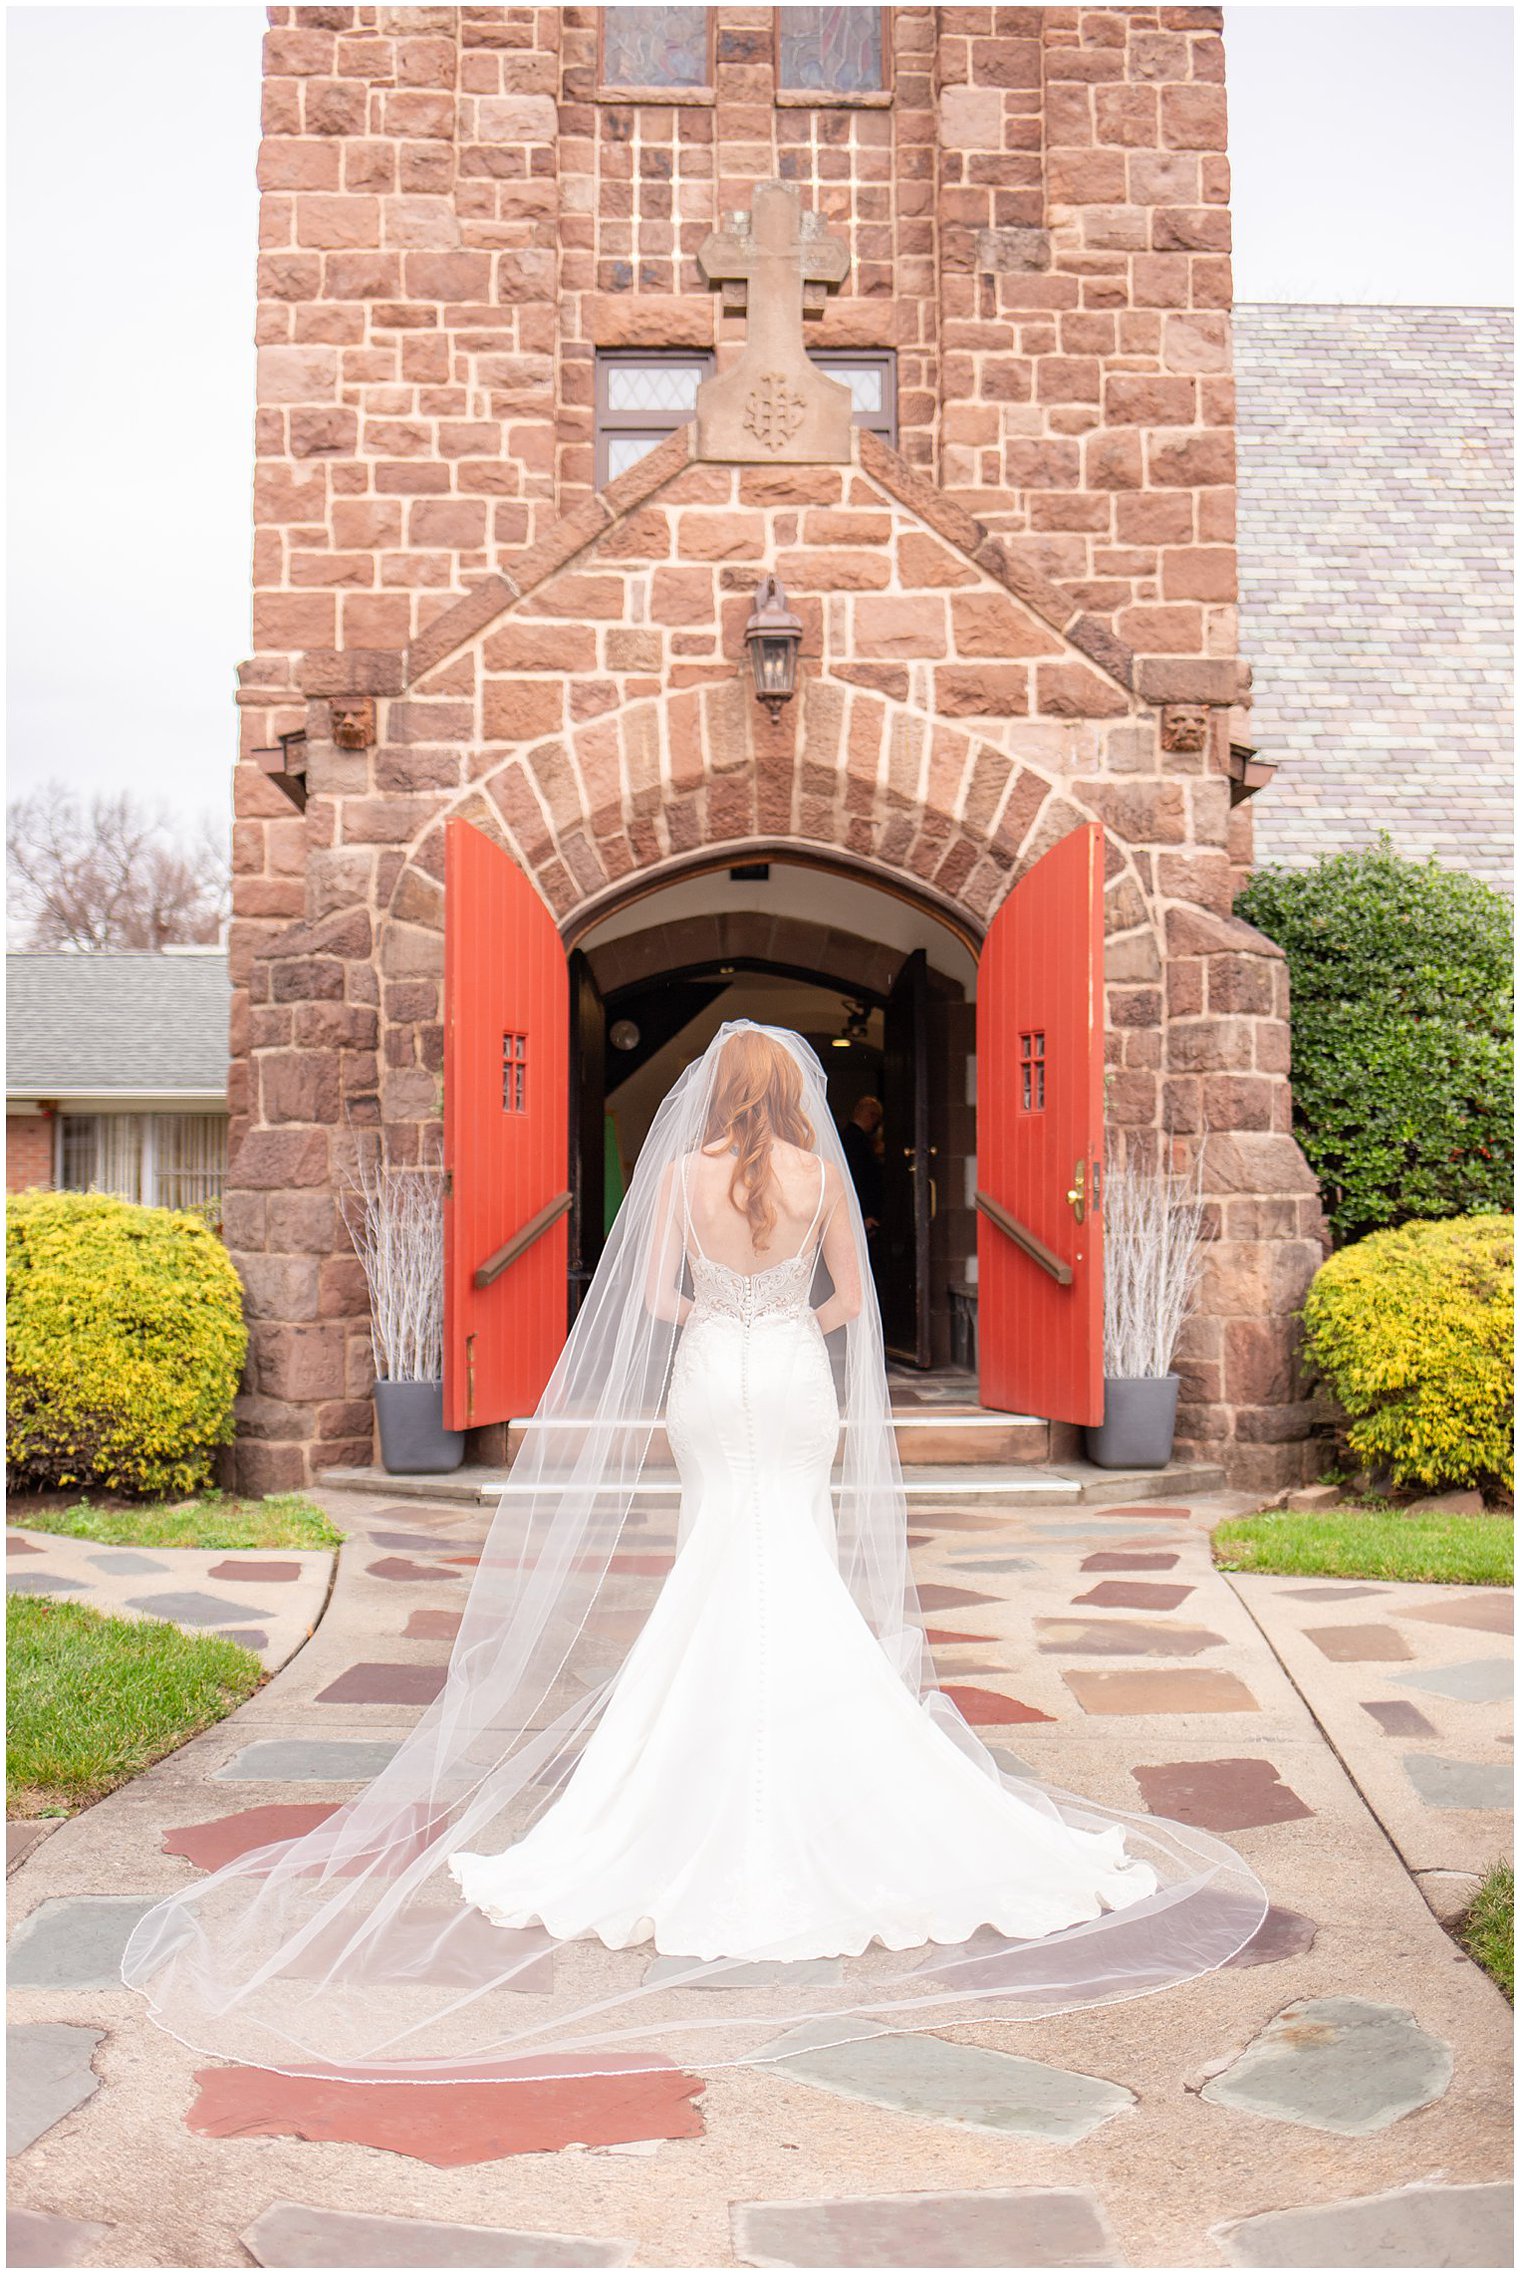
(119, 1023)
(1376, 472)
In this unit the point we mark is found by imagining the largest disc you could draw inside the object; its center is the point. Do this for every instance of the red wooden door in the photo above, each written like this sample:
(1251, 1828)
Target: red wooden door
(506, 1079)
(1039, 1139)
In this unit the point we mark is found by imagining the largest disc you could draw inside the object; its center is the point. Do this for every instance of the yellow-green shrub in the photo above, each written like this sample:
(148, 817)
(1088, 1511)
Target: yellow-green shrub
(125, 1343)
(1413, 1332)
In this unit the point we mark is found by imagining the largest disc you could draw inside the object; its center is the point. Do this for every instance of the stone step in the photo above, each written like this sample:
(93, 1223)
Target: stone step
(1065, 1485)
(936, 1437)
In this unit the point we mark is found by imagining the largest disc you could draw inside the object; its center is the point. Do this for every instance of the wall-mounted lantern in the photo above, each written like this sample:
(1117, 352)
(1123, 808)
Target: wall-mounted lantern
(773, 635)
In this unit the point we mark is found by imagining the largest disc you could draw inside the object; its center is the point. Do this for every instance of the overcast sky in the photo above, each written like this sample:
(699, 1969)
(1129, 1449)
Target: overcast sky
(1372, 163)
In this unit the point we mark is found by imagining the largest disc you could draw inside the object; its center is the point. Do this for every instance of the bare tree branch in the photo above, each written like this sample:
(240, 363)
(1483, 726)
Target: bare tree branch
(112, 873)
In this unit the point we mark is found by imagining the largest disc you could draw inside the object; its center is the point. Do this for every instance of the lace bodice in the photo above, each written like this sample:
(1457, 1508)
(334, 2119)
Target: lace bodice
(781, 1290)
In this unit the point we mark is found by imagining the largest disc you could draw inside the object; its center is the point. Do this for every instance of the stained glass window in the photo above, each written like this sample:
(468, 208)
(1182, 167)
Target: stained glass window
(654, 47)
(836, 51)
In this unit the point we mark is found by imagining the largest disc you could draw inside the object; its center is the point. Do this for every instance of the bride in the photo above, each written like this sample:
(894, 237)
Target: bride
(690, 1780)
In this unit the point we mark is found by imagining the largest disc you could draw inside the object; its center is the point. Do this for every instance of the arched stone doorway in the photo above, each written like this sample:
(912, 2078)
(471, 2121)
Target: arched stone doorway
(884, 990)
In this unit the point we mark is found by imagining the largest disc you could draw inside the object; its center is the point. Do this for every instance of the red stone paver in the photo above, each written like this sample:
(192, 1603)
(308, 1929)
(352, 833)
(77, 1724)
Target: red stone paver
(220, 1838)
(402, 1568)
(432, 1626)
(983, 1708)
(1134, 1595)
(1219, 1796)
(1114, 1559)
(1181, 1689)
(263, 1573)
(377, 1683)
(1355, 1646)
(448, 2124)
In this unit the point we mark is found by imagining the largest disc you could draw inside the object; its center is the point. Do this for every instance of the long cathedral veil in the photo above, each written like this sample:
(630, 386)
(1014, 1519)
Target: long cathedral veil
(349, 1952)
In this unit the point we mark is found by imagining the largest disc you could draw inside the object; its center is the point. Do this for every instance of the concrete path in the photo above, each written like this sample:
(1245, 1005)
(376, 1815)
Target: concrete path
(1338, 2097)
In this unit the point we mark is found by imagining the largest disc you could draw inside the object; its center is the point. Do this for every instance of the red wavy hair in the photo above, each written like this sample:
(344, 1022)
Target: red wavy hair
(756, 1100)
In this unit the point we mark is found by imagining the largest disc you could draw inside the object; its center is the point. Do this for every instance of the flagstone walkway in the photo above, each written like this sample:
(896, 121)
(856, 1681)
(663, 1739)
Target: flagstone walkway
(268, 1599)
(1336, 2096)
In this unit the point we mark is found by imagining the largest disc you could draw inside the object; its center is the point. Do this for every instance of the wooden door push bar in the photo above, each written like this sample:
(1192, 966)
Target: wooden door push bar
(521, 1241)
(1022, 1237)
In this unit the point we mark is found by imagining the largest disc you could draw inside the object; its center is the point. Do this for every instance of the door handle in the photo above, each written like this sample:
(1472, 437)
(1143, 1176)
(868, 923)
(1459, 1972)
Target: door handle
(1077, 1195)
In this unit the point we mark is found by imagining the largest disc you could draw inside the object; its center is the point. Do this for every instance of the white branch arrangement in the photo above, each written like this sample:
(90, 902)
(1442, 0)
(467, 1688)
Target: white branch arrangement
(395, 1219)
(1153, 1221)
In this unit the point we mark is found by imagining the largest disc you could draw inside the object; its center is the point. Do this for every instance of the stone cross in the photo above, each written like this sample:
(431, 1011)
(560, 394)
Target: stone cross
(773, 408)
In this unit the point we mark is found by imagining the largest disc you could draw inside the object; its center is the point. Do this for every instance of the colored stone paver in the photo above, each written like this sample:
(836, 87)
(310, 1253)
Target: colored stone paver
(1282, 1934)
(1134, 1595)
(1441, 1783)
(384, 1684)
(47, 2075)
(959, 2084)
(1115, 1559)
(988, 1708)
(1356, 1646)
(1343, 2065)
(112, 1580)
(448, 2124)
(1477, 1681)
(1420, 2226)
(1491, 1612)
(74, 1943)
(21, 1836)
(1396, 1717)
(1220, 1796)
(1186, 1689)
(1122, 1638)
(309, 1760)
(1025, 2226)
(216, 1842)
(299, 2234)
(37, 2238)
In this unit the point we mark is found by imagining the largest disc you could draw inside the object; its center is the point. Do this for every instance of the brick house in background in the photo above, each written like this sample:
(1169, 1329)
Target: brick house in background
(116, 1074)
(513, 832)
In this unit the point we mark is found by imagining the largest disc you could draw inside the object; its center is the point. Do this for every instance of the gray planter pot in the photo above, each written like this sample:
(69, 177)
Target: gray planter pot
(413, 1440)
(1139, 1421)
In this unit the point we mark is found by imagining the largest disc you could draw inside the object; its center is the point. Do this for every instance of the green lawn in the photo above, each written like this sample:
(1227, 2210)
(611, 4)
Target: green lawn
(210, 1520)
(1371, 1543)
(1488, 1931)
(93, 1700)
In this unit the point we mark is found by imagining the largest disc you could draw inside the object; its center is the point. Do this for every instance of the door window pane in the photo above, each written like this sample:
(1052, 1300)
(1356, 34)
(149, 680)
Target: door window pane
(514, 1073)
(831, 50)
(654, 47)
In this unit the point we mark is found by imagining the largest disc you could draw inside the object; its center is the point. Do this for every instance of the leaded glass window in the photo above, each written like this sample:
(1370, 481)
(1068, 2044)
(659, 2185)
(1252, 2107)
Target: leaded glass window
(640, 399)
(835, 51)
(655, 47)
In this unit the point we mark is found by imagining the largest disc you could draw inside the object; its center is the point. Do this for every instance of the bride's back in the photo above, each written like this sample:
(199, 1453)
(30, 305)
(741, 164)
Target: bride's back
(722, 1229)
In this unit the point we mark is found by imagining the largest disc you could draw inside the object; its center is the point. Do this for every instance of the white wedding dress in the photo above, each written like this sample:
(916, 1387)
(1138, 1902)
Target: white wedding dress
(761, 1779)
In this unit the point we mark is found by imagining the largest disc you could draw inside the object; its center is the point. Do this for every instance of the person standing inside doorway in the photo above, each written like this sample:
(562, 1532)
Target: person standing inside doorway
(861, 1138)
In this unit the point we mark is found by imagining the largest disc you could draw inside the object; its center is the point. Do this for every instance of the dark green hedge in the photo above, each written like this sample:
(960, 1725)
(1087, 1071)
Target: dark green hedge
(1403, 1033)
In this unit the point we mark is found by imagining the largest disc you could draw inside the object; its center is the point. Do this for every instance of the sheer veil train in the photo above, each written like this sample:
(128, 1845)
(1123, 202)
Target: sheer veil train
(690, 1782)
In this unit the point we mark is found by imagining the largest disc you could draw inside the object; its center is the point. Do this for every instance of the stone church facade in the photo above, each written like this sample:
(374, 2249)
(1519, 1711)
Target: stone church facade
(1013, 565)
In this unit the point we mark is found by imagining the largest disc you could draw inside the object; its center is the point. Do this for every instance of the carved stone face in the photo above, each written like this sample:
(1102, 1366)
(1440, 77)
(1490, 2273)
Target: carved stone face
(353, 722)
(1185, 727)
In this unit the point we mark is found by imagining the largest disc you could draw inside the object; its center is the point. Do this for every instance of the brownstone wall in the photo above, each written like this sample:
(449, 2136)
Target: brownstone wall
(455, 219)
(28, 1151)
